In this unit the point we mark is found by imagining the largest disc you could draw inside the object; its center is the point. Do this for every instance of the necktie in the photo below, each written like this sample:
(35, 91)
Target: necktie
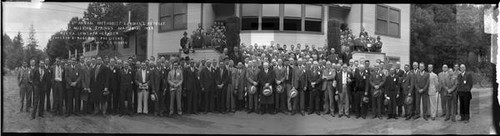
(175, 73)
(41, 73)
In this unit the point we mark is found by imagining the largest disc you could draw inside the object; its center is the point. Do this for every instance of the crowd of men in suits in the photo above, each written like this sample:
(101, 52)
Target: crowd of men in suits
(252, 79)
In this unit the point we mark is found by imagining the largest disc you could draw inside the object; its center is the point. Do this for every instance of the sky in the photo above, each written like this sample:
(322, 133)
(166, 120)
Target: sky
(47, 18)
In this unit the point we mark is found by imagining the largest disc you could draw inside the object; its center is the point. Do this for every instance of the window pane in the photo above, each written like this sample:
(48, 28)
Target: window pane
(249, 23)
(168, 23)
(381, 26)
(381, 12)
(293, 10)
(313, 11)
(166, 9)
(292, 24)
(180, 8)
(313, 25)
(394, 29)
(270, 10)
(270, 23)
(180, 21)
(250, 9)
(394, 15)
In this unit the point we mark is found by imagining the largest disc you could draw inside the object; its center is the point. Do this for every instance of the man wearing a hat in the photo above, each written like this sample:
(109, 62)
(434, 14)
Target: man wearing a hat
(184, 41)
(377, 79)
(266, 78)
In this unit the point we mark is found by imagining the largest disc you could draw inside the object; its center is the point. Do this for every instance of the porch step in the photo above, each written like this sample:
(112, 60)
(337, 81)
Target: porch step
(200, 54)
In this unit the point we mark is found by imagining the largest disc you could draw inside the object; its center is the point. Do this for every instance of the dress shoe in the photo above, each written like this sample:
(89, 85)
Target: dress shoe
(433, 118)
(447, 118)
(416, 117)
(317, 113)
(374, 117)
(443, 115)
(380, 117)
(348, 116)
(408, 118)
(389, 118)
(357, 117)
(340, 115)
(395, 118)
(333, 115)
(303, 114)
(466, 121)
(425, 118)
(453, 119)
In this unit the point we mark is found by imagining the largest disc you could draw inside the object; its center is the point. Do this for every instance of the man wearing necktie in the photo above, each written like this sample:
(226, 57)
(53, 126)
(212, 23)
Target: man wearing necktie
(175, 79)
(400, 100)
(36, 84)
(252, 78)
(280, 71)
(266, 78)
(464, 87)
(58, 87)
(23, 80)
(47, 85)
(407, 85)
(422, 86)
(207, 83)
(343, 85)
(377, 80)
(414, 88)
(99, 85)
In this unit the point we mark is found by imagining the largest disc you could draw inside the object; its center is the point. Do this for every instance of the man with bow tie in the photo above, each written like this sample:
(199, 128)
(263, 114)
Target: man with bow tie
(464, 86)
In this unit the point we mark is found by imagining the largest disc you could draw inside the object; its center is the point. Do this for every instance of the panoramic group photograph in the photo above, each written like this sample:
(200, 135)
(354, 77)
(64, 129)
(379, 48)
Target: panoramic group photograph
(249, 68)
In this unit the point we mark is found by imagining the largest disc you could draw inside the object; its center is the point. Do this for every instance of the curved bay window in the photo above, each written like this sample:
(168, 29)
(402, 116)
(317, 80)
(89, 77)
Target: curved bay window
(282, 17)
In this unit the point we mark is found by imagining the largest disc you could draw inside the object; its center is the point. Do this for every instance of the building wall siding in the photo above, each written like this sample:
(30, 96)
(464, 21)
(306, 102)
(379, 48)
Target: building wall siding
(169, 42)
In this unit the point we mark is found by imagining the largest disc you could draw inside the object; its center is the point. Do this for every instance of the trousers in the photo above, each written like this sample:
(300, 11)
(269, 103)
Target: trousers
(465, 98)
(344, 101)
(422, 98)
(25, 94)
(142, 101)
(177, 96)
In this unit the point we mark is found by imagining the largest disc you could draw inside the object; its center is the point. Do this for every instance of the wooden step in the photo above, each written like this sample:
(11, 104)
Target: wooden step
(200, 54)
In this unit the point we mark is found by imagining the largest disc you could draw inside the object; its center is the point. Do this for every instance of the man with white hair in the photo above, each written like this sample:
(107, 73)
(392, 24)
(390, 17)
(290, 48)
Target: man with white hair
(343, 87)
(280, 97)
(252, 74)
(377, 79)
(328, 77)
(300, 84)
(362, 83)
(400, 100)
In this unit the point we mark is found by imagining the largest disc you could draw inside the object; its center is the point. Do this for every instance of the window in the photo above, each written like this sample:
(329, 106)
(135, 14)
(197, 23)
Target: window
(270, 17)
(292, 17)
(250, 16)
(388, 21)
(285, 17)
(313, 18)
(173, 16)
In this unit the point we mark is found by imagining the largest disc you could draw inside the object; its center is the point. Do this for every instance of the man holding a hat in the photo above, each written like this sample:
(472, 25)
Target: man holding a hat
(377, 79)
(314, 78)
(253, 86)
(407, 85)
(266, 78)
(361, 88)
(344, 79)
(329, 77)
(391, 92)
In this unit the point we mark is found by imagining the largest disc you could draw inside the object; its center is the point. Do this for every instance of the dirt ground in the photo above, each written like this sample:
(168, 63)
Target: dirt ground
(240, 122)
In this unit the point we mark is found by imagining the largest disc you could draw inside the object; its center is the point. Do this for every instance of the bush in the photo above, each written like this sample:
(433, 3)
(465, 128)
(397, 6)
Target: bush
(333, 35)
(232, 33)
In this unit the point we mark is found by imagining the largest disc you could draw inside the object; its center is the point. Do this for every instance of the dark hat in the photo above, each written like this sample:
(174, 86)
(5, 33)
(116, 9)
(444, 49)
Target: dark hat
(185, 33)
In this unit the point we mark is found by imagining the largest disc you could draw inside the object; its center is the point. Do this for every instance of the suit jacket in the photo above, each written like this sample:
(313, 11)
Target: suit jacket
(434, 85)
(53, 68)
(207, 81)
(296, 77)
(392, 84)
(126, 79)
(85, 76)
(361, 80)
(289, 75)
(330, 75)
(377, 78)
(252, 75)
(339, 78)
(175, 77)
(464, 82)
(24, 75)
(35, 77)
(101, 81)
(280, 74)
(46, 79)
(407, 82)
(164, 80)
(223, 76)
(114, 78)
(264, 77)
(72, 74)
(314, 76)
(422, 81)
(447, 81)
(139, 78)
(156, 77)
(190, 78)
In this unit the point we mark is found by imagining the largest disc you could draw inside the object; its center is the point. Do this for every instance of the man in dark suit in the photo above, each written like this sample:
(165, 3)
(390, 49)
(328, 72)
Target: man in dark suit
(164, 92)
(266, 78)
(377, 80)
(85, 78)
(343, 81)
(314, 78)
(362, 83)
(114, 86)
(464, 86)
(99, 87)
(188, 84)
(46, 84)
(156, 77)
(391, 92)
(252, 80)
(400, 100)
(126, 82)
(72, 83)
(58, 85)
(414, 90)
(222, 81)
(407, 89)
(36, 83)
(207, 83)
(421, 86)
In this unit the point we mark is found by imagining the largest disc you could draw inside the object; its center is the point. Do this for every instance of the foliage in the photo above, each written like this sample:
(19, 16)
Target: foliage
(13, 51)
(333, 35)
(448, 34)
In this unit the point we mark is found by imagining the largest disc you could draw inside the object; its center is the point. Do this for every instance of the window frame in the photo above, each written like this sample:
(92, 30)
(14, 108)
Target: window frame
(172, 15)
(282, 18)
(389, 8)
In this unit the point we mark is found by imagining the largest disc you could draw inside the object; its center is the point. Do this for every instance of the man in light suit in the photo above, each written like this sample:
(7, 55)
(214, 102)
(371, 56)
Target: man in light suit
(433, 91)
(175, 79)
(344, 80)
(58, 86)
(142, 78)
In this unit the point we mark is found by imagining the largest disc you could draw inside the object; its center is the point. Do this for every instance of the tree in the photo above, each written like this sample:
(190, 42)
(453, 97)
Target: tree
(56, 47)
(113, 15)
(7, 44)
(14, 55)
